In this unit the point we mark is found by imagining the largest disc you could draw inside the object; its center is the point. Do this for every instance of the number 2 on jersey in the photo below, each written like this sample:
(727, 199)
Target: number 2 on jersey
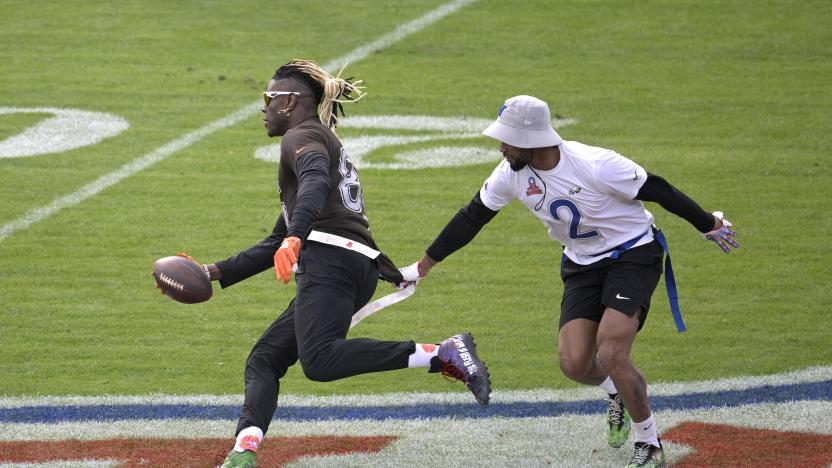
(575, 222)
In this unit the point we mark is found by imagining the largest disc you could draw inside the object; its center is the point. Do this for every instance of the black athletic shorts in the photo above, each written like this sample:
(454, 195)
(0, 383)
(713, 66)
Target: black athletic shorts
(624, 284)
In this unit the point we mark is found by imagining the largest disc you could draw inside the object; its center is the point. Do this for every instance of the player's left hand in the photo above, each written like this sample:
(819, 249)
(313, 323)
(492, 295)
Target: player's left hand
(286, 258)
(723, 235)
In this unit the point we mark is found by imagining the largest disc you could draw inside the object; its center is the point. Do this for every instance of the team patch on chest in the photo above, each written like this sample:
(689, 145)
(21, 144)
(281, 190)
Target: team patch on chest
(533, 188)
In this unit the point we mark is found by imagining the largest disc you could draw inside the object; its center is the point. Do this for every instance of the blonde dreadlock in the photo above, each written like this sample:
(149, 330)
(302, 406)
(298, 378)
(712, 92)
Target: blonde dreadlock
(330, 91)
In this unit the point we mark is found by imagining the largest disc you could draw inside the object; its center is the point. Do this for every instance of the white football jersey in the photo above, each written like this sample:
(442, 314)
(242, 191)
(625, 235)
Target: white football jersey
(586, 202)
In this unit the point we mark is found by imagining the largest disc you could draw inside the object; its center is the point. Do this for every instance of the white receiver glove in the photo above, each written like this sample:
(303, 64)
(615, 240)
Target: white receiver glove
(410, 272)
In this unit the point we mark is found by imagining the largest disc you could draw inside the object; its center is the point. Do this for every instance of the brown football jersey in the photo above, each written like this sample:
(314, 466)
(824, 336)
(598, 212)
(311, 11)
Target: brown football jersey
(343, 210)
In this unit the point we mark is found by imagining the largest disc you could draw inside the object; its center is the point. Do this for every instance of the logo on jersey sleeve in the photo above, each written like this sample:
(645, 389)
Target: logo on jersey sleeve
(533, 188)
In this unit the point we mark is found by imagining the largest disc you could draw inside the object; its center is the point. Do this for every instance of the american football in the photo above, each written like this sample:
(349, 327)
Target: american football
(182, 279)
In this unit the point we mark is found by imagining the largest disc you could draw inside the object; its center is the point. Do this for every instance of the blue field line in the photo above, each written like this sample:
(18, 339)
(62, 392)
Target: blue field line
(815, 391)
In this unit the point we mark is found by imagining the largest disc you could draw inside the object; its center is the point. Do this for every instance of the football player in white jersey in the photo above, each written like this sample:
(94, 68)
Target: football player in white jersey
(590, 200)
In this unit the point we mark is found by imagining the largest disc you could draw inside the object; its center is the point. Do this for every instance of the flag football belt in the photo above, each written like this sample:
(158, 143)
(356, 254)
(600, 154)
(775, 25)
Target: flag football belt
(378, 304)
(670, 282)
(669, 277)
(344, 243)
(383, 302)
(619, 249)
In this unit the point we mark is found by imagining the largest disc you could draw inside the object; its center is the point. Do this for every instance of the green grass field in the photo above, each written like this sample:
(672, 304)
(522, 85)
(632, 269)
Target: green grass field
(730, 102)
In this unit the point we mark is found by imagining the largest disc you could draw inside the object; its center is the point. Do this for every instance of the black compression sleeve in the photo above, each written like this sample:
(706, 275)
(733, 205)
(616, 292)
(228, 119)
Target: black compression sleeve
(656, 189)
(461, 229)
(313, 188)
(255, 259)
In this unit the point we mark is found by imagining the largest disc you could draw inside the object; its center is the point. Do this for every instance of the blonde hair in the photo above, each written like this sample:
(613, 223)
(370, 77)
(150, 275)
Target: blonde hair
(330, 91)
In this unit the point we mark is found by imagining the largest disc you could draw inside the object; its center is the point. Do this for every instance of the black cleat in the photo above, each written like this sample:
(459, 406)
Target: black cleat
(647, 456)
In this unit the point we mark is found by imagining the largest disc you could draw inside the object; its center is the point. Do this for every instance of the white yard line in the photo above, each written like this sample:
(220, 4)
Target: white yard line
(160, 154)
(808, 375)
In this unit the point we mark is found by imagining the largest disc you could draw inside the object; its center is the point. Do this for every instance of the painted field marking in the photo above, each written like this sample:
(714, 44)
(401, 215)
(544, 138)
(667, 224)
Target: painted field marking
(159, 154)
(810, 375)
(692, 401)
(66, 130)
(434, 129)
(773, 420)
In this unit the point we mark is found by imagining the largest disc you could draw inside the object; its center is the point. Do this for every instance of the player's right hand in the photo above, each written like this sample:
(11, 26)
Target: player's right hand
(285, 258)
(723, 235)
(417, 271)
(410, 273)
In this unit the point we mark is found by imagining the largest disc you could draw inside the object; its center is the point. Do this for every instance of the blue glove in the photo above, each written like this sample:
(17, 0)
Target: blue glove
(724, 234)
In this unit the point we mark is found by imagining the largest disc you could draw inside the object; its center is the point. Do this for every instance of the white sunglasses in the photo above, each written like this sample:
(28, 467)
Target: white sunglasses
(269, 95)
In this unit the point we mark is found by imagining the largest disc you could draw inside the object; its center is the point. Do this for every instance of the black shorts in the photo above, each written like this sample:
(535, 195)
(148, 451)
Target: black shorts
(624, 284)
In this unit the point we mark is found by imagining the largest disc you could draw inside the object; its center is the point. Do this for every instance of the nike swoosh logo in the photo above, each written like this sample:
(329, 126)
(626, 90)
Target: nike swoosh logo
(619, 296)
(297, 151)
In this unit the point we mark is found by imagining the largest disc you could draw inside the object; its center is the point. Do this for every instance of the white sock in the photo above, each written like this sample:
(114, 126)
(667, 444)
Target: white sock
(249, 439)
(608, 386)
(646, 431)
(423, 355)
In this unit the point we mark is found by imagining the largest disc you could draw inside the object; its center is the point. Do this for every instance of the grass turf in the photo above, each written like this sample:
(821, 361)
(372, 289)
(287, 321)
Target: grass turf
(728, 102)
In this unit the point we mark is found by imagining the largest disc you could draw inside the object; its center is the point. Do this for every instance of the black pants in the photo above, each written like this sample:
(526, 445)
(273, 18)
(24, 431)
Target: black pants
(332, 284)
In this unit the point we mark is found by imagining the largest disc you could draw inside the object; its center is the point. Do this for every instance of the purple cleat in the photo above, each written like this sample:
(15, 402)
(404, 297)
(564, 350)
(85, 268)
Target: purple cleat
(457, 360)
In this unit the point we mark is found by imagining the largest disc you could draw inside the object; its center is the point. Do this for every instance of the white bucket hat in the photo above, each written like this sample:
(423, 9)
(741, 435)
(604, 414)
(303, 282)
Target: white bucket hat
(524, 122)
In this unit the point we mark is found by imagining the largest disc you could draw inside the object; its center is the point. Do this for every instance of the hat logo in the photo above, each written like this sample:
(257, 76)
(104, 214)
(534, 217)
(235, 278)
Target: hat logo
(502, 108)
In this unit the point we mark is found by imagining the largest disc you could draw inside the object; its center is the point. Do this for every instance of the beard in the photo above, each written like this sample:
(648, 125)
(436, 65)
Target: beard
(516, 165)
(275, 127)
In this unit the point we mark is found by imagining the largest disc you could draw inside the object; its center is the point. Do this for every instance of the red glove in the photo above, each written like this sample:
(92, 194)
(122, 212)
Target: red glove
(285, 258)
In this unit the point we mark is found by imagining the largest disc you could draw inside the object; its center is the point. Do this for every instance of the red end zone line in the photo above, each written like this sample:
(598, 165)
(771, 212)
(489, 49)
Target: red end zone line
(185, 452)
(712, 444)
(724, 445)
